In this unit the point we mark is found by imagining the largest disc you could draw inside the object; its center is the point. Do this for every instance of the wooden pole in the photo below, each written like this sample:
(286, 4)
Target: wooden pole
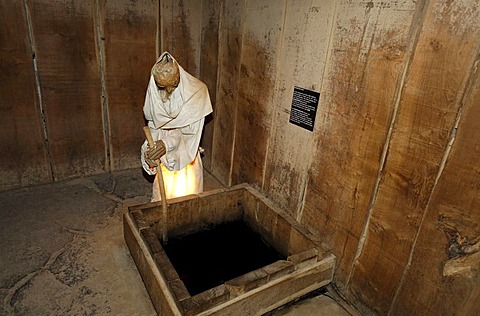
(151, 144)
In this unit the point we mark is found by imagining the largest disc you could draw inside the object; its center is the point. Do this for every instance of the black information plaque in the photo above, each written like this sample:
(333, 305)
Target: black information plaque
(304, 107)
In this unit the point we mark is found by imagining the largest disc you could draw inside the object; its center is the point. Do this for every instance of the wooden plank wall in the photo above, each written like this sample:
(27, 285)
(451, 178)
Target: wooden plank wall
(181, 31)
(75, 76)
(128, 39)
(434, 87)
(225, 112)
(389, 177)
(366, 64)
(261, 45)
(24, 158)
(69, 77)
(301, 63)
(209, 50)
(441, 268)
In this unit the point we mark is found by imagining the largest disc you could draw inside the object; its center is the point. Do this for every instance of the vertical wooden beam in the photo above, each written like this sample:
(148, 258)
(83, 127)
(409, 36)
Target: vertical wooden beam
(24, 159)
(69, 74)
(230, 38)
(427, 112)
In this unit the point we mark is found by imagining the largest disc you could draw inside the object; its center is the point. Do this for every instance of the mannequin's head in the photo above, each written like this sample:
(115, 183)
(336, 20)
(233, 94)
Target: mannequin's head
(166, 74)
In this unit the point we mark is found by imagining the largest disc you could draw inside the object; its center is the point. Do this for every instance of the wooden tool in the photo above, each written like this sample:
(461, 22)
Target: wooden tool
(151, 144)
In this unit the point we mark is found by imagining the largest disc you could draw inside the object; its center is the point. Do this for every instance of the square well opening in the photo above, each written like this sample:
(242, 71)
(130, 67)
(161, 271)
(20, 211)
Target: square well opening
(210, 257)
(196, 271)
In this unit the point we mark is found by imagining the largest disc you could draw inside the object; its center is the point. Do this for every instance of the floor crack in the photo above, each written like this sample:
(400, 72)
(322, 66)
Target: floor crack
(10, 293)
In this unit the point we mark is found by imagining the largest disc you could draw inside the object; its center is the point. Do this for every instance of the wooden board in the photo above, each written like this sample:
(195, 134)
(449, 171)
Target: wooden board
(69, 74)
(230, 48)
(209, 69)
(452, 215)
(279, 291)
(129, 39)
(443, 60)
(261, 44)
(452, 211)
(365, 65)
(301, 63)
(24, 157)
(181, 27)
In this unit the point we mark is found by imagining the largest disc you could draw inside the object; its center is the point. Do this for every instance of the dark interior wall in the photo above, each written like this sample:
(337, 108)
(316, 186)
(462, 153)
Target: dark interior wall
(64, 43)
(129, 32)
(390, 176)
(24, 157)
(75, 75)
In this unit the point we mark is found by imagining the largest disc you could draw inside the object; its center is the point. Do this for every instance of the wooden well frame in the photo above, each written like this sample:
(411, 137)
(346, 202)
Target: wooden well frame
(308, 266)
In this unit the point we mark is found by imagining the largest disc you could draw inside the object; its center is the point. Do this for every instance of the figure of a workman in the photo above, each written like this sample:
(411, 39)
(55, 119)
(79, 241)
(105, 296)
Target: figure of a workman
(176, 105)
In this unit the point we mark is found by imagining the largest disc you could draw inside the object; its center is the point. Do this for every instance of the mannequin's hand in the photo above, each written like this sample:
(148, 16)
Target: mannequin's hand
(153, 154)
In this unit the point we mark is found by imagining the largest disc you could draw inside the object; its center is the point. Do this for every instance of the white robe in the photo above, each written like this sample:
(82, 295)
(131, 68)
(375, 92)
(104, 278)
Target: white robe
(178, 122)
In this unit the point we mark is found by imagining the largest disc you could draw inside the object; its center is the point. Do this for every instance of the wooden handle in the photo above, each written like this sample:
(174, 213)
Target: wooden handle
(151, 143)
(148, 135)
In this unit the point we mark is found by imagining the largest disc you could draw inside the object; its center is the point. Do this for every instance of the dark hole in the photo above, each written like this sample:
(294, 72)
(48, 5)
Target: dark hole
(208, 258)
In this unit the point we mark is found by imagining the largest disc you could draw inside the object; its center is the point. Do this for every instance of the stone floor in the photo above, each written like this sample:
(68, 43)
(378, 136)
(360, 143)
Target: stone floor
(63, 253)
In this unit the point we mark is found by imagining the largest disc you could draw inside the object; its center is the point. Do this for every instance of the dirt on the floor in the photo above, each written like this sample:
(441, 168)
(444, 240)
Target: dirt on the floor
(63, 251)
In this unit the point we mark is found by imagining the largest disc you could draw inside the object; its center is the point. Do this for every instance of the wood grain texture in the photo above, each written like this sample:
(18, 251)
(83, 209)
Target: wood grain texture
(279, 291)
(261, 44)
(69, 75)
(301, 63)
(427, 111)
(369, 43)
(129, 40)
(24, 156)
(181, 32)
(230, 48)
(412, 213)
(452, 220)
(209, 69)
(155, 282)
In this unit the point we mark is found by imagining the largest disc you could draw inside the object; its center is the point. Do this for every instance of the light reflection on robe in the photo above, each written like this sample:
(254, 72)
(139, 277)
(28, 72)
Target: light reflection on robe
(180, 183)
